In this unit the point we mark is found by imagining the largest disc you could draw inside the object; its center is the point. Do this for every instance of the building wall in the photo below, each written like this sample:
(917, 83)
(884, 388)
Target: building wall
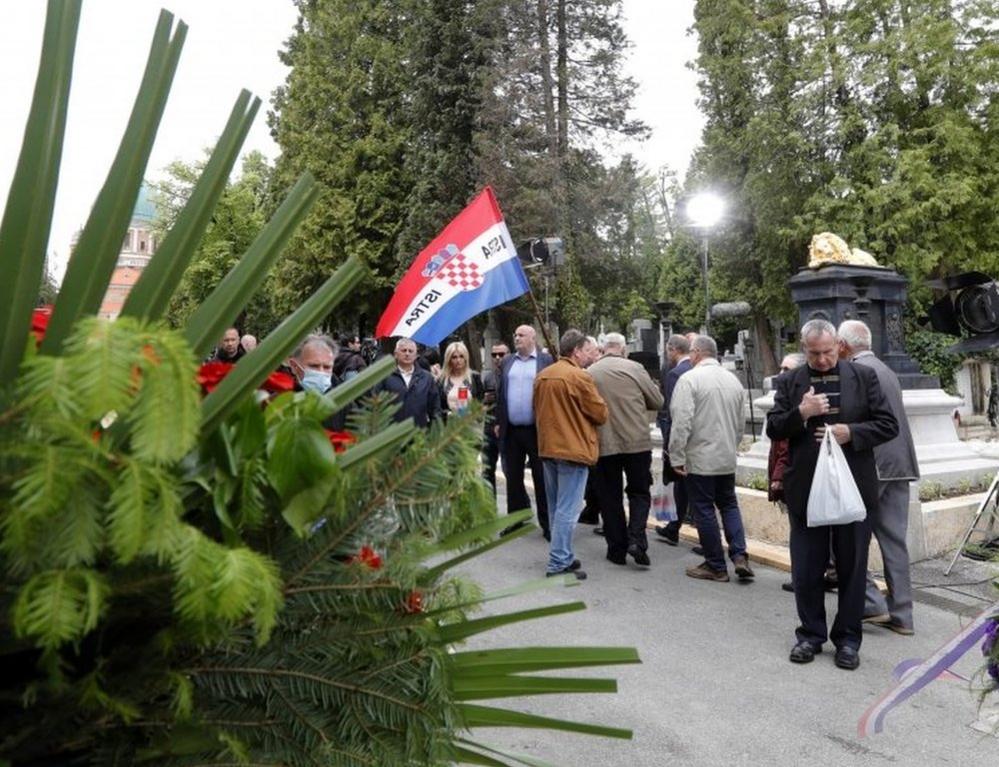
(137, 248)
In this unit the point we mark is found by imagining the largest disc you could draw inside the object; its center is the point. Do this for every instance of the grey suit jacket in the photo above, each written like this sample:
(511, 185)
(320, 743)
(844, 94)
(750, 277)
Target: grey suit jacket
(896, 458)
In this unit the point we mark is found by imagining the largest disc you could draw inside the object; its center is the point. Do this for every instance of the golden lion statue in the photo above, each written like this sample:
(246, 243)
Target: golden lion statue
(828, 248)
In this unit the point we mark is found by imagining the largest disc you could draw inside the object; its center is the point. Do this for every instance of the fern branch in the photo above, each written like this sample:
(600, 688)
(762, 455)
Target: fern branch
(389, 666)
(320, 588)
(321, 680)
(301, 717)
(447, 440)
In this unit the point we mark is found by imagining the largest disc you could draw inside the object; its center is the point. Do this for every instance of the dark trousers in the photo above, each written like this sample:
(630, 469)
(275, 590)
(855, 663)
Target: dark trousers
(520, 446)
(708, 492)
(637, 470)
(591, 501)
(809, 555)
(490, 455)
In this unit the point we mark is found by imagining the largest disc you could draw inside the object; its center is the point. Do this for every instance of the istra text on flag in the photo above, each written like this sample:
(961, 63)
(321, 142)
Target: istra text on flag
(471, 266)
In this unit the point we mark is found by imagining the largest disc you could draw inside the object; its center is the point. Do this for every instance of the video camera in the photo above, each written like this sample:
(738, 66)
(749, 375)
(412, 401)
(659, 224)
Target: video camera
(970, 305)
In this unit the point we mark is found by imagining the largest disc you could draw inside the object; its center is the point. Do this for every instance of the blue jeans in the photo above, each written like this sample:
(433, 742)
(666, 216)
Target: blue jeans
(704, 493)
(565, 486)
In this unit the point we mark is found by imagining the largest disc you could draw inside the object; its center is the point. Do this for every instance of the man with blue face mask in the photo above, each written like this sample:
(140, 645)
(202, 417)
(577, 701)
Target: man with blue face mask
(312, 365)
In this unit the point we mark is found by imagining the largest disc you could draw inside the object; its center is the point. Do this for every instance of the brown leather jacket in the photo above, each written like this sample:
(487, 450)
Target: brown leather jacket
(567, 410)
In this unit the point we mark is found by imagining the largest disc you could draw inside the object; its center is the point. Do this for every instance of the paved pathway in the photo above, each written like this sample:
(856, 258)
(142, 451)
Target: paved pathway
(715, 686)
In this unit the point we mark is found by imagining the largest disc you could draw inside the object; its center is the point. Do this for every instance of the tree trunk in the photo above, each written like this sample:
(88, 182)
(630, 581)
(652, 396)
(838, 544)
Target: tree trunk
(547, 81)
(562, 73)
(767, 356)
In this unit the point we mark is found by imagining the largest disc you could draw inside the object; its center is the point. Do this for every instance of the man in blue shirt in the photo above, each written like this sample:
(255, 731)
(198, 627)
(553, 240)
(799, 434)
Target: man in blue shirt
(515, 425)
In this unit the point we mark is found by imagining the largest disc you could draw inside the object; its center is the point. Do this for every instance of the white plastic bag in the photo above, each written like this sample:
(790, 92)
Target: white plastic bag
(663, 503)
(834, 498)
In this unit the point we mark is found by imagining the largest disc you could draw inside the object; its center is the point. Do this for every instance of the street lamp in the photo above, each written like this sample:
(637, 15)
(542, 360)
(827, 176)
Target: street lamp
(704, 210)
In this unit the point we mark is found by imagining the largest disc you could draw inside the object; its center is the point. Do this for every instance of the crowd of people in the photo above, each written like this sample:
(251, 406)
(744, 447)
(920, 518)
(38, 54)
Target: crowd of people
(581, 424)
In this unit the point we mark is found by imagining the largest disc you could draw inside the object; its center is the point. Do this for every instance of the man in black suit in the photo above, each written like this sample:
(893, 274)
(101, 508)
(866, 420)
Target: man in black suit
(490, 442)
(414, 388)
(829, 393)
(515, 425)
(678, 353)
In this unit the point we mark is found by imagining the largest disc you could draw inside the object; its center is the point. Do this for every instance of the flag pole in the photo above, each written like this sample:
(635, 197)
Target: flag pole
(552, 349)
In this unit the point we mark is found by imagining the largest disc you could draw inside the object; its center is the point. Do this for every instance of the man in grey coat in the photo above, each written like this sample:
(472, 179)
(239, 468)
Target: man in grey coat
(625, 446)
(707, 424)
(897, 467)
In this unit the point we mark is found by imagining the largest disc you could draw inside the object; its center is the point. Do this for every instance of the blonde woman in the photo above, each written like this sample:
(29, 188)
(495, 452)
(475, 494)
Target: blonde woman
(455, 376)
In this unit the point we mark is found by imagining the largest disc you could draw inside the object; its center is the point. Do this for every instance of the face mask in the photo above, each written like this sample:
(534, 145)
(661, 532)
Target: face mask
(315, 380)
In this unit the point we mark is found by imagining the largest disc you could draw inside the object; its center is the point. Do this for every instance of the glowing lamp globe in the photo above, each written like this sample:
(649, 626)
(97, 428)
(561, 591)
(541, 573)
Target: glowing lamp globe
(705, 209)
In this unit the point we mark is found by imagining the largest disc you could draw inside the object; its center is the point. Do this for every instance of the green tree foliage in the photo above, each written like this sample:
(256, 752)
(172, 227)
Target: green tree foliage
(241, 213)
(427, 102)
(342, 115)
(874, 120)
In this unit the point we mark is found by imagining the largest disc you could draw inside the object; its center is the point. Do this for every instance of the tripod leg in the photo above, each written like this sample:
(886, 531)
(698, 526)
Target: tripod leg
(974, 522)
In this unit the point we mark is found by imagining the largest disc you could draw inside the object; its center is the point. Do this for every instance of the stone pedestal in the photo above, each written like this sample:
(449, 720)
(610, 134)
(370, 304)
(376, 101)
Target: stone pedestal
(875, 296)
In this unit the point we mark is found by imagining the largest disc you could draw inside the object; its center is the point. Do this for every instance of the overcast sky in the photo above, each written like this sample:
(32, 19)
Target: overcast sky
(233, 44)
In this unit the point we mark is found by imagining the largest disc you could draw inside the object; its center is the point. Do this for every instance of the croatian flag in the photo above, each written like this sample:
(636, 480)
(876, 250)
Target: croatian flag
(469, 267)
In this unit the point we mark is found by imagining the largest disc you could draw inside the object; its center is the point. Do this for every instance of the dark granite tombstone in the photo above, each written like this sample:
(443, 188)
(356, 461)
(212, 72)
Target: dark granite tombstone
(838, 292)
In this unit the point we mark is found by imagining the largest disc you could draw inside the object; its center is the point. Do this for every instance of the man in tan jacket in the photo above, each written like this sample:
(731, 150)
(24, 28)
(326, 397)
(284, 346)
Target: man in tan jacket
(625, 447)
(567, 410)
(707, 426)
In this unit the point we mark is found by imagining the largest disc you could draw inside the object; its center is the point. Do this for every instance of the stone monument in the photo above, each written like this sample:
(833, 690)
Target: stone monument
(876, 296)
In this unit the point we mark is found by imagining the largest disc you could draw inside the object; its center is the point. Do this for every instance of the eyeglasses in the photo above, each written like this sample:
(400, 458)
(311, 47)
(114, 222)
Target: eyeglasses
(499, 354)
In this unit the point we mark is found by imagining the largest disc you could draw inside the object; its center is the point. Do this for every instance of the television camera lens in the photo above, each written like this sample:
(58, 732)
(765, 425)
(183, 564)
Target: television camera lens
(978, 307)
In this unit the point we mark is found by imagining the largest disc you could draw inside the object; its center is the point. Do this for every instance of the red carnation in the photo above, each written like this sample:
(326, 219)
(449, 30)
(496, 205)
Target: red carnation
(40, 322)
(414, 603)
(340, 439)
(278, 383)
(368, 556)
(211, 374)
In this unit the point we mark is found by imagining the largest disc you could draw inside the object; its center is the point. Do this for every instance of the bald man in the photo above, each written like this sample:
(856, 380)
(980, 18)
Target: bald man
(515, 423)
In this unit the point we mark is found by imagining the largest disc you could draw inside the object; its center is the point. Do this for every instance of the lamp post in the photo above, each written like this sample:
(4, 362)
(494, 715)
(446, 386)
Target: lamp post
(704, 210)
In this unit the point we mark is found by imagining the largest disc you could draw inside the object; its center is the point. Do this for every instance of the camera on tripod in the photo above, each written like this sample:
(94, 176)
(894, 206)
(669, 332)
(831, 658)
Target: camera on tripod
(969, 307)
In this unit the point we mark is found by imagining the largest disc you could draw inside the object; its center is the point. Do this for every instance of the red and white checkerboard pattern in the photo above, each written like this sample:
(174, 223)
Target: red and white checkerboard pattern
(461, 273)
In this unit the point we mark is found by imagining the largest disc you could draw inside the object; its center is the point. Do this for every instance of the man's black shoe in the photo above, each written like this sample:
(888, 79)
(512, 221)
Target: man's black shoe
(669, 537)
(804, 652)
(846, 657)
(512, 529)
(641, 558)
(617, 559)
(698, 551)
(580, 575)
(598, 530)
(576, 564)
(788, 586)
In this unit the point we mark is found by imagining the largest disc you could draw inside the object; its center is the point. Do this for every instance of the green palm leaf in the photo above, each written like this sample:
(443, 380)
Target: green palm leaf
(24, 231)
(97, 251)
(151, 294)
(225, 302)
(487, 716)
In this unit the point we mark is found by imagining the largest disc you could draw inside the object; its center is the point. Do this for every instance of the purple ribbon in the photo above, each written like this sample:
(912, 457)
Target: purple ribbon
(924, 673)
